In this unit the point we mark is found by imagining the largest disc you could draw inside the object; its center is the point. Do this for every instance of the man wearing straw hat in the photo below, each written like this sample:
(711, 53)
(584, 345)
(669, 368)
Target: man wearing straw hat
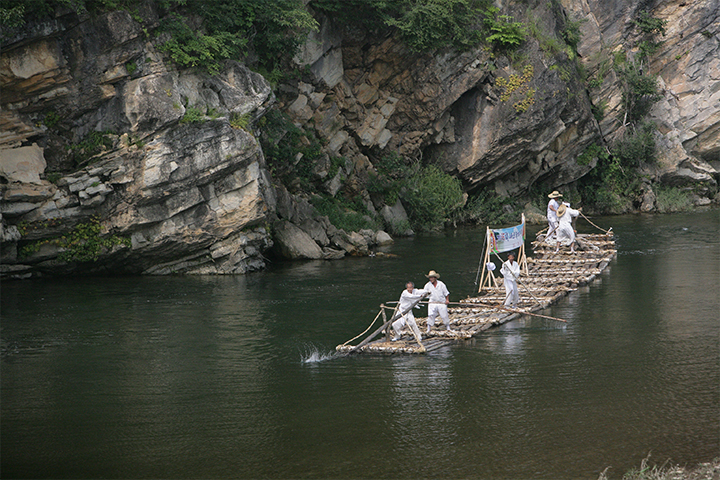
(552, 215)
(437, 303)
(566, 232)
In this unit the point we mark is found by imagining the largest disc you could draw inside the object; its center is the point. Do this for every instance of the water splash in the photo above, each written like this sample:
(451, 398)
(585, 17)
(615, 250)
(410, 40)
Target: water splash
(313, 355)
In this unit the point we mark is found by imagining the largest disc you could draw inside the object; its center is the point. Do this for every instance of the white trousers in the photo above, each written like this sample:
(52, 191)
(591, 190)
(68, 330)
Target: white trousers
(552, 229)
(435, 309)
(408, 319)
(565, 234)
(511, 292)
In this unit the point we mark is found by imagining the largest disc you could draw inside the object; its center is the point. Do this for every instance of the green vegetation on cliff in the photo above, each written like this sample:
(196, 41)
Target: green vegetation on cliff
(432, 24)
(83, 243)
(423, 26)
(430, 196)
(267, 30)
(616, 179)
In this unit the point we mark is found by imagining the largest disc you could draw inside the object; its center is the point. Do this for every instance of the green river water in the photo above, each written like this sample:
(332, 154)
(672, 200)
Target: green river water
(235, 377)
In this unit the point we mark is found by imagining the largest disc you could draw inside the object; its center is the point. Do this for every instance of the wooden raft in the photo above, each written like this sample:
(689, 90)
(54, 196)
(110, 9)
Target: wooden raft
(550, 277)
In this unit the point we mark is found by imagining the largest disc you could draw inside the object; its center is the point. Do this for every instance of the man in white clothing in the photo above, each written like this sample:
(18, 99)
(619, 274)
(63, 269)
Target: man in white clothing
(566, 232)
(437, 303)
(552, 216)
(409, 296)
(511, 271)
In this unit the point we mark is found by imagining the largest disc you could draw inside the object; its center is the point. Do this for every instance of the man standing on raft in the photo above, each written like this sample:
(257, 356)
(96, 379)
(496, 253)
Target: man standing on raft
(511, 271)
(438, 301)
(566, 232)
(408, 297)
(552, 216)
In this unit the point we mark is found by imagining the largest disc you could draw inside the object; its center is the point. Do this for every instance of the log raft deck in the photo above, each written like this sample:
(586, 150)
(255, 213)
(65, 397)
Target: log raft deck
(549, 277)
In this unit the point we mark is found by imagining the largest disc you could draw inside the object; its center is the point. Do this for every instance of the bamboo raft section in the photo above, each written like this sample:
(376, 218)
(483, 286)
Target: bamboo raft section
(550, 277)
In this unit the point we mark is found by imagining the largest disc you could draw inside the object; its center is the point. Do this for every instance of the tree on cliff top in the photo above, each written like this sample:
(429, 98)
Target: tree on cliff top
(423, 25)
(269, 29)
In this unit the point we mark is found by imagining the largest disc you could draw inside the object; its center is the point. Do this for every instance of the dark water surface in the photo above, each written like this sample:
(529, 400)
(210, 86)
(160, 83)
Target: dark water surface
(235, 377)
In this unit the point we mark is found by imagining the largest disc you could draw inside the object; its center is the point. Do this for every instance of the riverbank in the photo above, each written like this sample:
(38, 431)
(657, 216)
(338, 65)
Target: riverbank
(703, 471)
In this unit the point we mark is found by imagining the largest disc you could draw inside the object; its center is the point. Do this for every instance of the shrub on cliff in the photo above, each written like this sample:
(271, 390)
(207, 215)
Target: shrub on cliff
(487, 208)
(504, 32)
(269, 29)
(431, 196)
(435, 24)
(290, 151)
(351, 216)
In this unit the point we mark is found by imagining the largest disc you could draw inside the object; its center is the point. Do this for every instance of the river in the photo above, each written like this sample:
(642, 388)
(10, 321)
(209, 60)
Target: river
(235, 377)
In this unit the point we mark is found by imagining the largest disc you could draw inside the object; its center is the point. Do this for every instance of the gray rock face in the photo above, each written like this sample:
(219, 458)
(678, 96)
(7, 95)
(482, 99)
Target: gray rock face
(396, 218)
(176, 197)
(687, 64)
(301, 233)
(293, 243)
(22, 164)
(449, 108)
(382, 239)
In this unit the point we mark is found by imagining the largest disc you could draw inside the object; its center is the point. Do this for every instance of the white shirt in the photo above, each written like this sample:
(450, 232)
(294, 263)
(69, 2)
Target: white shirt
(569, 214)
(552, 214)
(407, 299)
(437, 293)
(511, 271)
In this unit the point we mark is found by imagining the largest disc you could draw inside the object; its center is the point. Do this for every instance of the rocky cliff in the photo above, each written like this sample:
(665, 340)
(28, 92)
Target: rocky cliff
(150, 193)
(373, 94)
(687, 65)
(113, 159)
(512, 121)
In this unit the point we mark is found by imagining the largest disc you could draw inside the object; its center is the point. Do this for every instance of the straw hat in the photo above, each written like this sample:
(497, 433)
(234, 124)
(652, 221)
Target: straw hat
(561, 210)
(433, 273)
(555, 194)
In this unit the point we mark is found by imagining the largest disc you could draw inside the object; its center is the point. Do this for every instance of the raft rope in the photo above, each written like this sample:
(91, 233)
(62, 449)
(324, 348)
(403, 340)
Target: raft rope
(382, 307)
(607, 232)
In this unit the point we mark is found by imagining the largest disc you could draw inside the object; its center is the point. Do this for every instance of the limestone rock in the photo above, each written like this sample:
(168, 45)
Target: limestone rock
(687, 66)
(533, 216)
(28, 192)
(647, 200)
(316, 230)
(333, 254)
(180, 197)
(22, 164)
(382, 239)
(293, 243)
(396, 219)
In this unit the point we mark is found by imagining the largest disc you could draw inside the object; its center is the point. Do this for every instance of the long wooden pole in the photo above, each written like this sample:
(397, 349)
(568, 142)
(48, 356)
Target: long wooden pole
(496, 307)
(485, 259)
(526, 313)
(481, 265)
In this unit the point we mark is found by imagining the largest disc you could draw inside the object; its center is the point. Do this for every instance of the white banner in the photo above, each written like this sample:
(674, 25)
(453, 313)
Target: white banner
(506, 239)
